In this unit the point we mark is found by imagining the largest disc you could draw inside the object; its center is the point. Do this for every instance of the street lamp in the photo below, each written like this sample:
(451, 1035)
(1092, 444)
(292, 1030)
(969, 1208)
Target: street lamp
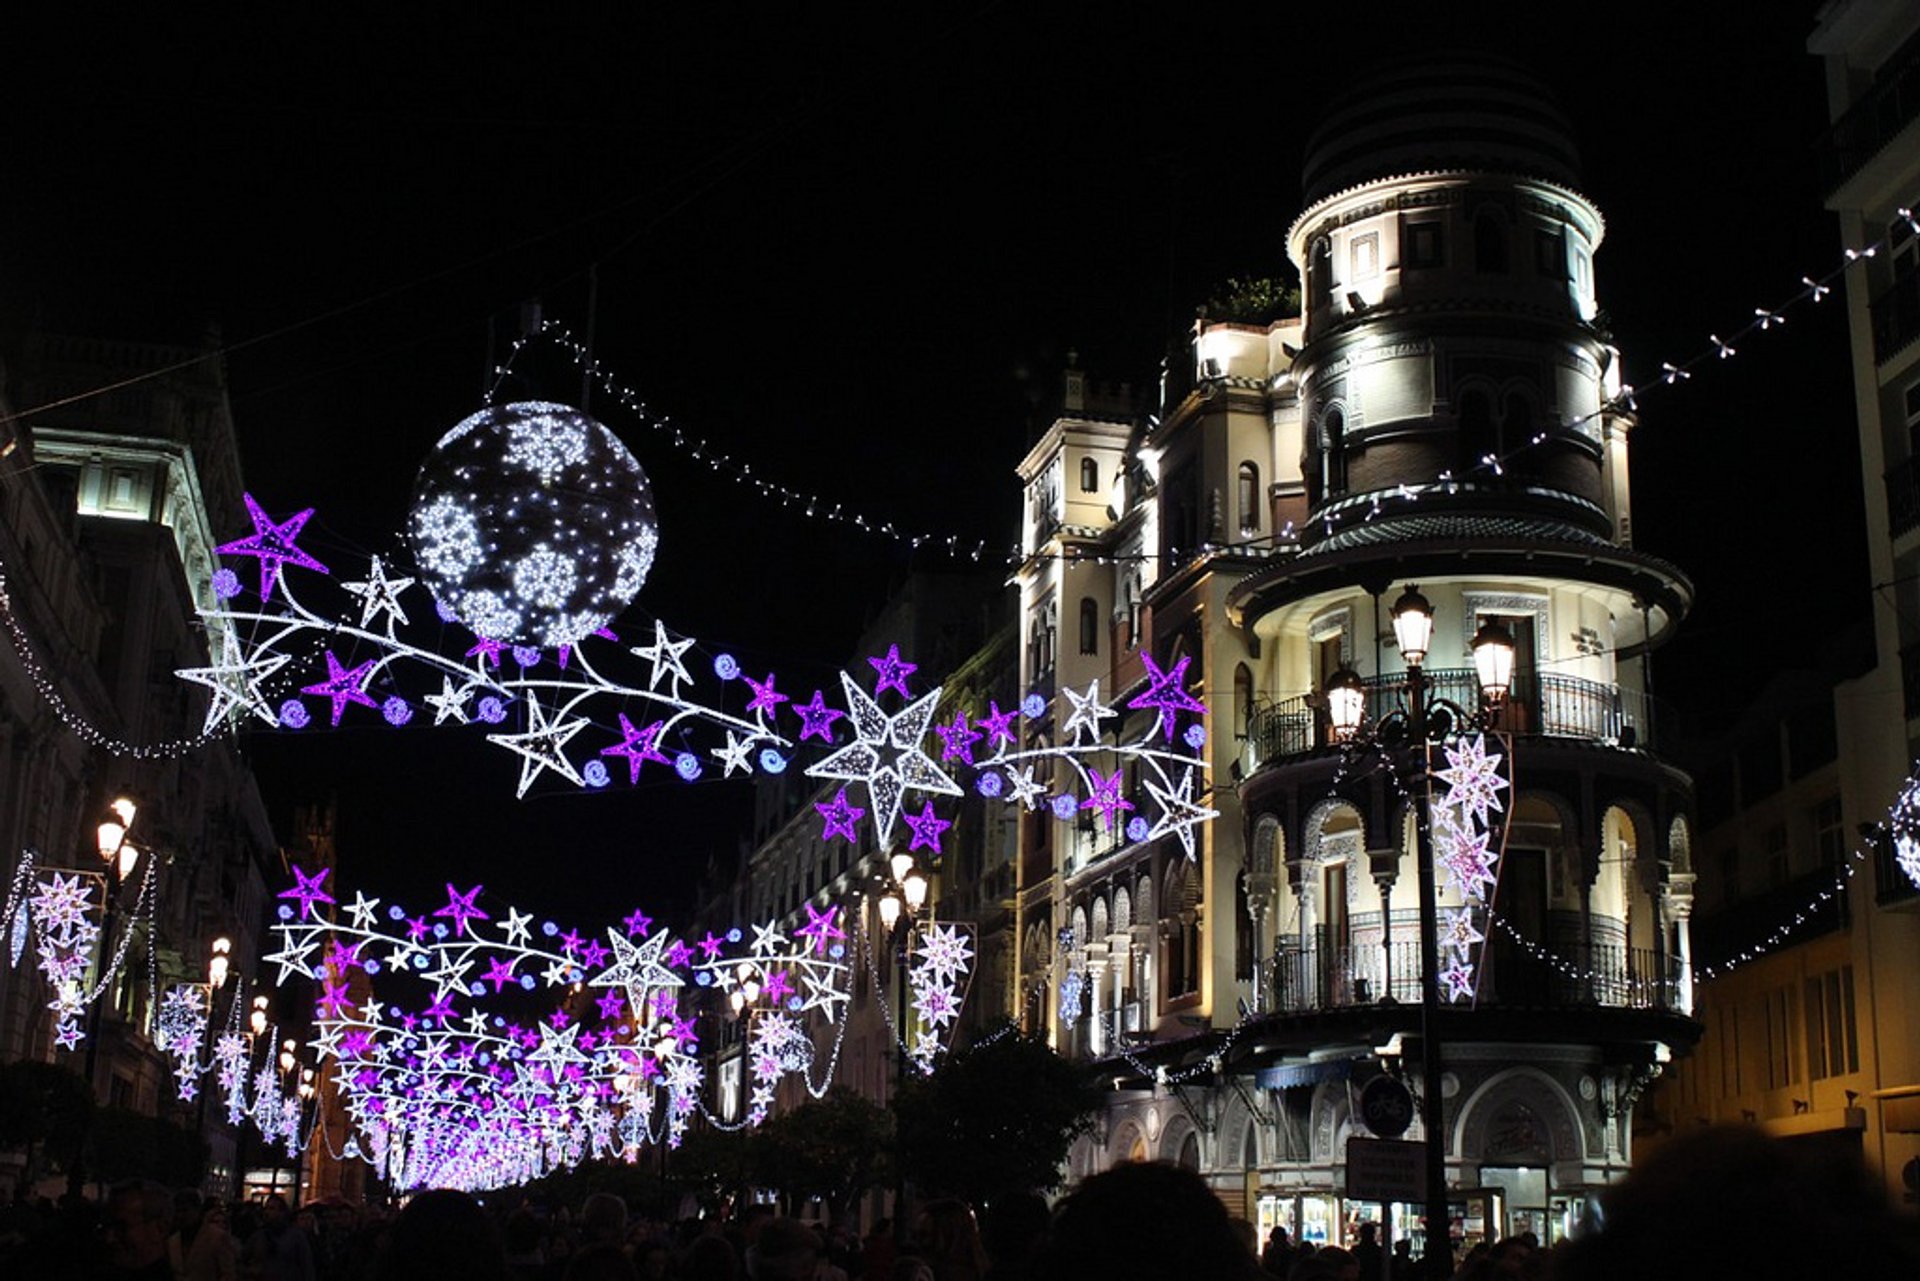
(218, 964)
(257, 1020)
(914, 886)
(1423, 721)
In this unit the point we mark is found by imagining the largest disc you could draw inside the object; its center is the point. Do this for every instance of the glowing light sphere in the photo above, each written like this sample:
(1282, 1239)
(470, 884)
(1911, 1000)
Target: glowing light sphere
(533, 523)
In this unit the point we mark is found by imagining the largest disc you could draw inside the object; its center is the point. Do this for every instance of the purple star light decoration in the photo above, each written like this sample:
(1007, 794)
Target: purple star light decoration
(820, 928)
(272, 542)
(816, 718)
(460, 907)
(1166, 693)
(892, 672)
(957, 739)
(1105, 798)
(926, 826)
(638, 746)
(841, 817)
(343, 685)
(308, 889)
(765, 697)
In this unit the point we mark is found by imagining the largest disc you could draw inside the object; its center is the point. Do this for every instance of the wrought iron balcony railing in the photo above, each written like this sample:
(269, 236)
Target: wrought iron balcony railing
(1549, 704)
(1319, 978)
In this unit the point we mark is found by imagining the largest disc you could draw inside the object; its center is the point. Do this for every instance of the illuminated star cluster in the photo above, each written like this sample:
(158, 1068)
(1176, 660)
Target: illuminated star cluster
(1465, 848)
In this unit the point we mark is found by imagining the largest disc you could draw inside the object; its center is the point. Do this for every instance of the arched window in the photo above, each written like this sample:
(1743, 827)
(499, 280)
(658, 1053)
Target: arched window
(1333, 455)
(1089, 476)
(1190, 1152)
(1477, 435)
(1320, 271)
(1242, 699)
(1249, 498)
(1490, 243)
(1089, 625)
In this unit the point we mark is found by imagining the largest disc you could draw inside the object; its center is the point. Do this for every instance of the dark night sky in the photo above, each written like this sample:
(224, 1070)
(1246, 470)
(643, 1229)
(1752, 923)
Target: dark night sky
(851, 247)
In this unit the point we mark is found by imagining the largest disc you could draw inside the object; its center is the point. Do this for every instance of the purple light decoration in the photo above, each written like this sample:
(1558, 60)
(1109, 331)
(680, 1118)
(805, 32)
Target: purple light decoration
(841, 817)
(957, 739)
(638, 923)
(444, 612)
(594, 774)
(639, 746)
(927, 827)
(991, 785)
(526, 656)
(293, 714)
(487, 651)
(726, 666)
(396, 711)
(816, 718)
(343, 685)
(460, 907)
(820, 929)
(226, 584)
(1105, 798)
(1033, 706)
(272, 542)
(765, 697)
(491, 710)
(772, 762)
(308, 889)
(1065, 807)
(998, 726)
(1137, 829)
(891, 672)
(1196, 736)
(1166, 693)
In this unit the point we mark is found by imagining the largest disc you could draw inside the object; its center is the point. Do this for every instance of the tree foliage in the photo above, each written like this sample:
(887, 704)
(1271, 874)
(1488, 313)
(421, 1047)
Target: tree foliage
(45, 1110)
(1254, 300)
(125, 1144)
(833, 1149)
(994, 1118)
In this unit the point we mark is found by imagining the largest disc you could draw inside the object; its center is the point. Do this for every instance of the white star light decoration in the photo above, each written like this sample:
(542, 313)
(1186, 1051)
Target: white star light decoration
(443, 1091)
(1463, 833)
(1903, 822)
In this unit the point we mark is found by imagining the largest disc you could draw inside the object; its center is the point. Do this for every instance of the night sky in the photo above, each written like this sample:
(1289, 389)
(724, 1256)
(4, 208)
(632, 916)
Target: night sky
(854, 249)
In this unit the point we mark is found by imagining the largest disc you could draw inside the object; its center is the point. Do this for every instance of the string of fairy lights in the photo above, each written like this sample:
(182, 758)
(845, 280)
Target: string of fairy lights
(826, 509)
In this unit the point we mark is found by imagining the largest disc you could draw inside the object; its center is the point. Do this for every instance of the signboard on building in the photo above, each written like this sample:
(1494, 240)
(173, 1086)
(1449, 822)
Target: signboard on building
(1386, 1170)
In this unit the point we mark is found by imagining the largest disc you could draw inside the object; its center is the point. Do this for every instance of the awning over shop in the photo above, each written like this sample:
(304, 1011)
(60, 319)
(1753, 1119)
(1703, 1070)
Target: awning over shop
(1292, 1074)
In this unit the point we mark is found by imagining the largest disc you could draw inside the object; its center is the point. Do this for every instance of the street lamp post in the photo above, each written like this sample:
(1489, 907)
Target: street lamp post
(121, 856)
(1424, 721)
(219, 963)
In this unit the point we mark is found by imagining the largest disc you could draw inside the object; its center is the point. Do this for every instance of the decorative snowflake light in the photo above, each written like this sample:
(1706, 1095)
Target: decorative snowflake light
(1465, 848)
(533, 523)
(1903, 821)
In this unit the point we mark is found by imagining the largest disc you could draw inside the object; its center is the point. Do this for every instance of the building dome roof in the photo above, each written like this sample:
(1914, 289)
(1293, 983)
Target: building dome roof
(1439, 113)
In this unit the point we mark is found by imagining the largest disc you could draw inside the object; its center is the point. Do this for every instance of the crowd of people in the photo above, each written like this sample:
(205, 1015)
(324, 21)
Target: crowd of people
(1779, 1211)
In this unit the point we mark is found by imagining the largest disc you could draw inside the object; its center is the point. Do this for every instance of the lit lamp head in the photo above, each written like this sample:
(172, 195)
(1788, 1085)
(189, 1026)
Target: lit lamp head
(124, 809)
(286, 1055)
(889, 910)
(1346, 704)
(737, 999)
(901, 863)
(218, 963)
(258, 1019)
(1493, 661)
(915, 888)
(1412, 626)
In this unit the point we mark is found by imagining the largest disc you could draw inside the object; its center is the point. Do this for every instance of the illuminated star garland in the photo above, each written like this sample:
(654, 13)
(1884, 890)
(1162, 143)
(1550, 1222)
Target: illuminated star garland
(443, 1092)
(1463, 831)
(555, 695)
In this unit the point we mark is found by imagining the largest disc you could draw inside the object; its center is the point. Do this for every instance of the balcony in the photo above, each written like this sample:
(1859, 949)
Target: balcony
(1874, 121)
(1896, 317)
(1552, 705)
(1316, 979)
(1903, 497)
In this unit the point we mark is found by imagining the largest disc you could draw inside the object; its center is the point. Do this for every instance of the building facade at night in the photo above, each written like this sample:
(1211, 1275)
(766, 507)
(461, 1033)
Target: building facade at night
(112, 507)
(1444, 411)
(1812, 1038)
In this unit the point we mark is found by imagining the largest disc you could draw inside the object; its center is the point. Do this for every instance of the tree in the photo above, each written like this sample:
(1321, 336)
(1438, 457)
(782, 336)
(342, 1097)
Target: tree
(834, 1149)
(716, 1166)
(994, 1118)
(45, 1110)
(125, 1144)
(1258, 300)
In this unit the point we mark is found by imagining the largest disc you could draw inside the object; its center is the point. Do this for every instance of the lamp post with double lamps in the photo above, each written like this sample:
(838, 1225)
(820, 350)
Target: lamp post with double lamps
(1405, 736)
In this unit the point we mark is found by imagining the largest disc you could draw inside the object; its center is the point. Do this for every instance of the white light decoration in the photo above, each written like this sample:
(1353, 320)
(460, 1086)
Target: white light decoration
(533, 523)
(1463, 830)
(1903, 826)
(442, 1091)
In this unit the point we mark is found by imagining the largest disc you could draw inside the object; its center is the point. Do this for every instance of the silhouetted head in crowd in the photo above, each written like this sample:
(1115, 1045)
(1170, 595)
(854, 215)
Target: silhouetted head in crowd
(139, 1219)
(1731, 1201)
(442, 1236)
(1098, 1231)
(603, 1218)
(785, 1250)
(1014, 1227)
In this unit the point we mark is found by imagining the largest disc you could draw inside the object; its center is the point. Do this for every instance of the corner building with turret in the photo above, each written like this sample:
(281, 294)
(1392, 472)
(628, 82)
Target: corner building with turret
(1445, 410)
